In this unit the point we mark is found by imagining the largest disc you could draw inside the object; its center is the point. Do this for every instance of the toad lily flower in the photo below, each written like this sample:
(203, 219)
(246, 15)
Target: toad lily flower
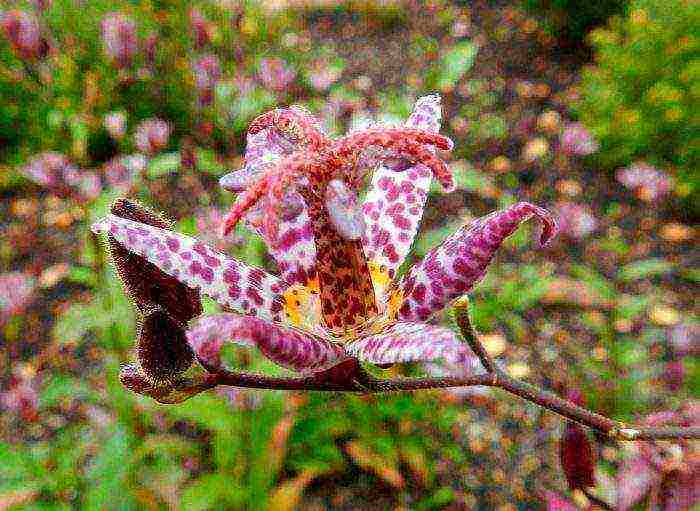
(338, 297)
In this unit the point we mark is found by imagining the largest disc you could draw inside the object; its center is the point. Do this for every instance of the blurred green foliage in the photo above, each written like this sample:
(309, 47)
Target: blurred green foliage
(641, 97)
(573, 19)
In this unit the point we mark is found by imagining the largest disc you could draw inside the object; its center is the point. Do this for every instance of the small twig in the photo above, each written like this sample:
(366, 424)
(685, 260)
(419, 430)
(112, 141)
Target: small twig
(365, 384)
(461, 312)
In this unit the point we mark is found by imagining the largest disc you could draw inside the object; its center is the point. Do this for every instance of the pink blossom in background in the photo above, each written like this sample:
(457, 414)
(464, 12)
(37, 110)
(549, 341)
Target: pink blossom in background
(648, 182)
(47, 169)
(16, 293)
(88, 185)
(201, 28)
(119, 172)
(577, 140)
(575, 220)
(674, 375)
(24, 34)
(119, 38)
(152, 136)
(684, 339)
(556, 502)
(150, 45)
(21, 398)
(207, 71)
(115, 124)
(665, 473)
(209, 223)
(55, 172)
(276, 74)
(323, 75)
(41, 4)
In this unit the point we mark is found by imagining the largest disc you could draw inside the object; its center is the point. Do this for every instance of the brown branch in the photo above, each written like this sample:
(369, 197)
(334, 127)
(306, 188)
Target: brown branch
(362, 382)
(349, 376)
(461, 312)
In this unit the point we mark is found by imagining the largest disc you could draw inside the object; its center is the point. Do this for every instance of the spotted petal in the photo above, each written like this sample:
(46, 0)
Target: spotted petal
(394, 203)
(295, 253)
(208, 334)
(454, 267)
(286, 347)
(230, 282)
(415, 342)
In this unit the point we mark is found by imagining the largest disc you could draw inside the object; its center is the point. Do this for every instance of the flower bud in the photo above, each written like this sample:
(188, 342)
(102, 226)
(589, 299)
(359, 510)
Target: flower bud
(162, 350)
(207, 71)
(201, 29)
(144, 282)
(115, 124)
(576, 452)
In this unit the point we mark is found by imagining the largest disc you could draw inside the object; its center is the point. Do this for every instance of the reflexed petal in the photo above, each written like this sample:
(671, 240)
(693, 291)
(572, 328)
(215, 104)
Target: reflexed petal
(286, 347)
(414, 342)
(230, 282)
(394, 204)
(208, 334)
(454, 267)
(271, 136)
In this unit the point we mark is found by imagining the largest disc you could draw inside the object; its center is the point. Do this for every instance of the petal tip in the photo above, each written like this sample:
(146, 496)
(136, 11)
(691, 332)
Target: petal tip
(231, 182)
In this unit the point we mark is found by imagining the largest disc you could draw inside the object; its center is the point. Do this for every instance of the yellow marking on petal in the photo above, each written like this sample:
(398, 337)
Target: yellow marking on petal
(379, 274)
(313, 284)
(302, 307)
(394, 303)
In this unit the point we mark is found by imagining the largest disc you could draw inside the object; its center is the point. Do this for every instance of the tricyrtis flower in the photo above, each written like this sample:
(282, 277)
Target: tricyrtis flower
(119, 38)
(56, 173)
(24, 34)
(338, 296)
(152, 136)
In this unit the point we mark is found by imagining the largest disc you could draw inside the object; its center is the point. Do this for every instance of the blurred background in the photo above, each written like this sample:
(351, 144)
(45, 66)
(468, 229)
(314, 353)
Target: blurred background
(588, 108)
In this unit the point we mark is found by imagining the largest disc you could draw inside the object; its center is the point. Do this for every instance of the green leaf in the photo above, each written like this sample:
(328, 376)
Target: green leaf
(644, 269)
(455, 63)
(108, 474)
(212, 491)
(208, 163)
(163, 164)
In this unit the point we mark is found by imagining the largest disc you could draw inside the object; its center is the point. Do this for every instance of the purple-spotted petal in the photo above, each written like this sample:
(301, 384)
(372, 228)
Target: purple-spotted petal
(454, 267)
(286, 347)
(294, 249)
(395, 200)
(415, 342)
(230, 282)
(208, 335)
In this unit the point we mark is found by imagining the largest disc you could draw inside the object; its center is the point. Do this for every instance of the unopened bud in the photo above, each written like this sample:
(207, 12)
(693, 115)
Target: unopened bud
(143, 281)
